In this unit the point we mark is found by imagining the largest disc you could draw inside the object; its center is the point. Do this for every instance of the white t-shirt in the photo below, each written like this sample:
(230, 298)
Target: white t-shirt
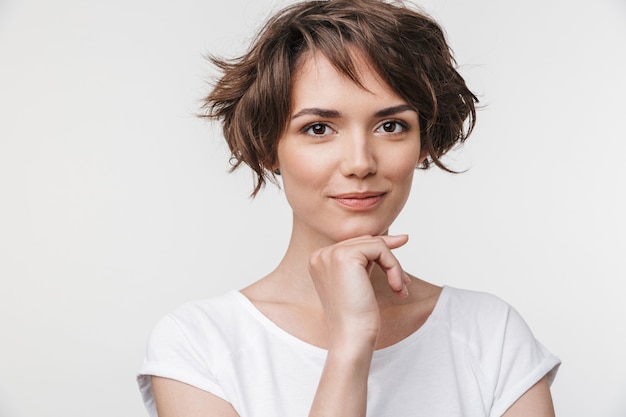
(474, 356)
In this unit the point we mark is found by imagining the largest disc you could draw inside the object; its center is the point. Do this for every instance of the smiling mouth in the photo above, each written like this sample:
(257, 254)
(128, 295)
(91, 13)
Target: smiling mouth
(358, 201)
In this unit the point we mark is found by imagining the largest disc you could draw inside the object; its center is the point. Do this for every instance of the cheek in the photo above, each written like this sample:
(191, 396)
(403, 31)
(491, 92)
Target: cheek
(301, 171)
(305, 163)
(402, 163)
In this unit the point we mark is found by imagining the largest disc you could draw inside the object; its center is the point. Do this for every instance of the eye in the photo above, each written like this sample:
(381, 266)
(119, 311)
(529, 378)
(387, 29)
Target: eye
(392, 126)
(317, 129)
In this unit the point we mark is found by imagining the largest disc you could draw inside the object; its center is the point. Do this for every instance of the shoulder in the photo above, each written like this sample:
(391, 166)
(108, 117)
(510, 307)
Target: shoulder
(494, 335)
(460, 308)
(203, 318)
(199, 313)
(192, 344)
(483, 323)
(200, 331)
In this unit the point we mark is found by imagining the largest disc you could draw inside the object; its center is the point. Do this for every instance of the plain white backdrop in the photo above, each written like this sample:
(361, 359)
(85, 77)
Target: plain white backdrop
(116, 205)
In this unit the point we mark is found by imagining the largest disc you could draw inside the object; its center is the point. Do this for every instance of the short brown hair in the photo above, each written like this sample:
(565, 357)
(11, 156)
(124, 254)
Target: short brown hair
(406, 47)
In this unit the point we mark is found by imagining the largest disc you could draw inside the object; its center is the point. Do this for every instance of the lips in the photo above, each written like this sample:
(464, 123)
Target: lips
(359, 201)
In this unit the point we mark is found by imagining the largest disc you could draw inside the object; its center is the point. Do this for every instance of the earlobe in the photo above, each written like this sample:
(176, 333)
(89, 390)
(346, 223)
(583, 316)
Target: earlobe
(274, 168)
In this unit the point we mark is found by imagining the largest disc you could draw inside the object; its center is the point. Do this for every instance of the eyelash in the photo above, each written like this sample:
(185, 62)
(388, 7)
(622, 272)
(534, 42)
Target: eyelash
(308, 127)
(397, 123)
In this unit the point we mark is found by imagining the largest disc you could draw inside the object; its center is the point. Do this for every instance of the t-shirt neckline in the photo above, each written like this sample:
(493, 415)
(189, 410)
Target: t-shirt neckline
(289, 338)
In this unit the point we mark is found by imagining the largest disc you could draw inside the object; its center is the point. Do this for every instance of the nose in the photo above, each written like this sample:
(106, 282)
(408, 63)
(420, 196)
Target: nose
(358, 159)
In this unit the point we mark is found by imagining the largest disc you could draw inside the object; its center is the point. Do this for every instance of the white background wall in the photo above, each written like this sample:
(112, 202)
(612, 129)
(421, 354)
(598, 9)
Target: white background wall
(115, 204)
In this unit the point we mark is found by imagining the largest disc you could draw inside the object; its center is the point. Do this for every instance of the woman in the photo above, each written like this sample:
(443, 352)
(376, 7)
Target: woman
(343, 99)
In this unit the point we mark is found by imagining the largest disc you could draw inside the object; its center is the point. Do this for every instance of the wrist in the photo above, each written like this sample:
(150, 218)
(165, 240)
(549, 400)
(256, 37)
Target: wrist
(352, 347)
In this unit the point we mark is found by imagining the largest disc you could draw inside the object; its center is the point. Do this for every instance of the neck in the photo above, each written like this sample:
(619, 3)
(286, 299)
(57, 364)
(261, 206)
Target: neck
(292, 274)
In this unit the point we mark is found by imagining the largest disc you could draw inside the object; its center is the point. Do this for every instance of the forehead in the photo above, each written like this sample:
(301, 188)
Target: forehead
(315, 77)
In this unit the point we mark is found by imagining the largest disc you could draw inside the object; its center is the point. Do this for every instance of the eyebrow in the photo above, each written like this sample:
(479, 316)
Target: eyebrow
(325, 113)
(390, 111)
(333, 114)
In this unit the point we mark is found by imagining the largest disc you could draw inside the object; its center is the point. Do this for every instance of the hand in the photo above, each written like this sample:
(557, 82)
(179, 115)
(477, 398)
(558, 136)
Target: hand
(341, 274)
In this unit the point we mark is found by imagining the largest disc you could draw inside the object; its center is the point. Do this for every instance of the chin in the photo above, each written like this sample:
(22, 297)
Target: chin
(350, 233)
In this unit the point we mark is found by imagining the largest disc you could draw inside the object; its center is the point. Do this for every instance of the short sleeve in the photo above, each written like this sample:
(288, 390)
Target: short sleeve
(524, 361)
(173, 353)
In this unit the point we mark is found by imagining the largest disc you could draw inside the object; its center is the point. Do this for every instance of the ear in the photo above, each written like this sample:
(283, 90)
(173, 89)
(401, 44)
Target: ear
(274, 168)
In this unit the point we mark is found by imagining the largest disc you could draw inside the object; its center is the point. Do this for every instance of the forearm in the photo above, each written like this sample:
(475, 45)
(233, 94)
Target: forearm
(343, 274)
(342, 390)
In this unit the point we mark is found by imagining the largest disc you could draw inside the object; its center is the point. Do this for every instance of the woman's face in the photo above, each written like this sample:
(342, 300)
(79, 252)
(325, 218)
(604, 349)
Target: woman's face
(348, 154)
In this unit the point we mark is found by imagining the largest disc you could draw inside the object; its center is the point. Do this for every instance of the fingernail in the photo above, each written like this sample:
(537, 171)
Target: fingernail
(405, 291)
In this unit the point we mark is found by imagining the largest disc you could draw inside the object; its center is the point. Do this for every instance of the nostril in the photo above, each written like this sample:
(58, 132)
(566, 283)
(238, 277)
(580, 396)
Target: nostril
(359, 166)
(358, 158)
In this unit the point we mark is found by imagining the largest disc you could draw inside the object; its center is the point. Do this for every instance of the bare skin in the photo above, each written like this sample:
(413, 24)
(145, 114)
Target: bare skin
(346, 371)
(347, 161)
(369, 309)
(176, 399)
